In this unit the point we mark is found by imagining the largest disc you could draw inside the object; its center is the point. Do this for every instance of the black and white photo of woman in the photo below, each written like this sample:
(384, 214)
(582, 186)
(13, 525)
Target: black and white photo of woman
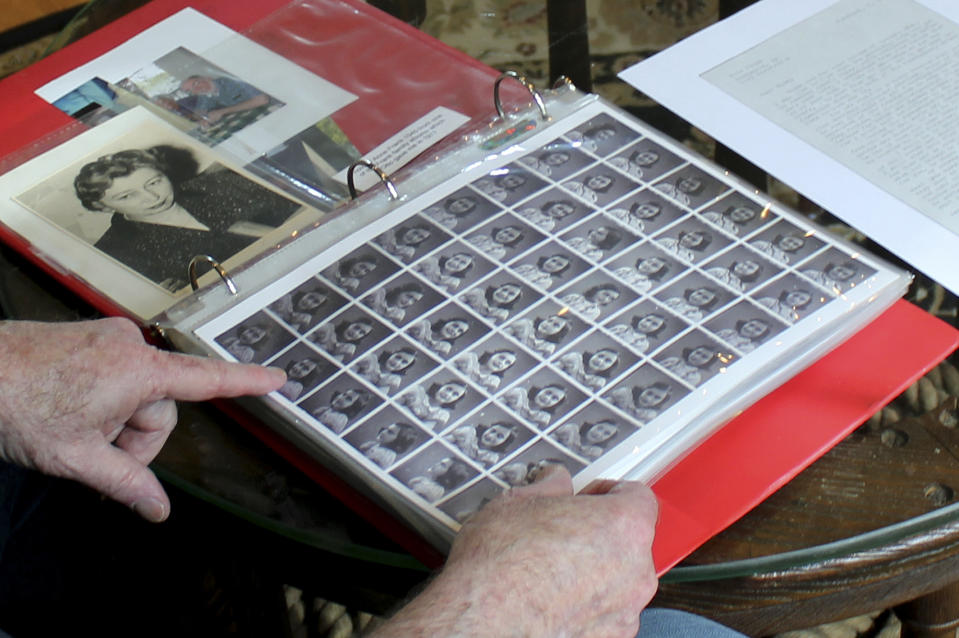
(340, 406)
(256, 339)
(386, 443)
(493, 365)
(165, 209)
(301, 309)
(304, 370)
(348, 336)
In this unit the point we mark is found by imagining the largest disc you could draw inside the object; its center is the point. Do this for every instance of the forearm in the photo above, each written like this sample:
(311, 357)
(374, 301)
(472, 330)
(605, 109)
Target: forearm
(459, 605)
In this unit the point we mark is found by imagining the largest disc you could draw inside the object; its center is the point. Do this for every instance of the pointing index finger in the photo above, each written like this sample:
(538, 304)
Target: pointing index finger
(192, 378)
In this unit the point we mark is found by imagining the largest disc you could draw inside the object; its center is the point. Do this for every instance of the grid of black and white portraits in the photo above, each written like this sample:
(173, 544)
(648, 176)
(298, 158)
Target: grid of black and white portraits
(542, 313)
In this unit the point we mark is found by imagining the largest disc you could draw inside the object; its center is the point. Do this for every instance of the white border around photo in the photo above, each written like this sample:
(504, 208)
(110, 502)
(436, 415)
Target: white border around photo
(307, 97)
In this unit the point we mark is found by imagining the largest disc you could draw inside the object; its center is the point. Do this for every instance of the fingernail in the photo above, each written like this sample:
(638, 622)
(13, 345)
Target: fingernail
(150, 509)
(276, 370)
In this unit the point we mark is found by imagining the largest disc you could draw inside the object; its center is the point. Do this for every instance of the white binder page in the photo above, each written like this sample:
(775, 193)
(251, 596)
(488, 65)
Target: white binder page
(851, 102)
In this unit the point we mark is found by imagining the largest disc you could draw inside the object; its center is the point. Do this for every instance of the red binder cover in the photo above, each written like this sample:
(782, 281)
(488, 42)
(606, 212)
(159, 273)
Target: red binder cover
(712, 486)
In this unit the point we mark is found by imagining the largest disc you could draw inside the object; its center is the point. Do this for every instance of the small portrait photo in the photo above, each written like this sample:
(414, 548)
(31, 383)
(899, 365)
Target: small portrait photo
(694, 296)
(646, 393)
(785, 243)
(546, 329)
(692, 241)
(645, 327)
(645, 267)
(645, 160)
(741, 269)
(453, 268)
(388, 438)
(393, 366)
(415, 237)
(504, 237)
(542, 398)
(737, 215)
(359, 271)
(447, 331)
(489, 437)
(551, 265)
(402, 299)
(836, 271)
(187, 85)
(494, 363)
(460, 210)
(462, 505)
(599, 185)
(695, 358)
(645, 212)
(255, 340)
(499, 297)
(95, 99)
(439, 400)
(595, 361)
(598, 240)
(791, 298)
(744, 327)
(509, 184)
(152, 199)
(553, 210)
(523, 468)
(558, 160)
(305, 369)
(592, 432)
(691, 186)
(434, 472)
(596, 297)
(341, 403)
(602, 135)
(348, 335)
(308, 304)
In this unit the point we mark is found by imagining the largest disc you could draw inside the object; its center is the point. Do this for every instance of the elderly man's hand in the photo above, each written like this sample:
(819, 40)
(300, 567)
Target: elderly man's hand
(91, 401)
(539, 561)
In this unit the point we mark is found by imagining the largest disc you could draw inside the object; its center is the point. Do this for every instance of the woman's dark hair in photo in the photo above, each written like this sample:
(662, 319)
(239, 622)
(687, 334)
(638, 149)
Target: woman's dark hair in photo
(455, 475)
(612, 238)
(95, 178)
(405, 439)
(363, 398)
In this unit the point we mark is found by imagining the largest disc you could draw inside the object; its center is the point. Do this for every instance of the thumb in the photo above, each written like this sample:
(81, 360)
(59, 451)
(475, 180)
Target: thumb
(552, 480)
(118, 475)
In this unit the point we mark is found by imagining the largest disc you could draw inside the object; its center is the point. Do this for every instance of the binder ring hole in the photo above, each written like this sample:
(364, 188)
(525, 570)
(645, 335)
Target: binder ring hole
(376, 169)
(220, 270)
(537, 97)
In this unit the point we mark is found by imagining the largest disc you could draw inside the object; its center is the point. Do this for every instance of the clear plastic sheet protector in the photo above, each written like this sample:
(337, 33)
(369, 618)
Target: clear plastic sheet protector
(336, 77)
(579, 290)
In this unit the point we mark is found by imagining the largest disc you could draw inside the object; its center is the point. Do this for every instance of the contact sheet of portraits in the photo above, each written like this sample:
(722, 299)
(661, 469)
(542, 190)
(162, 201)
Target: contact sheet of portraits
(581, 302)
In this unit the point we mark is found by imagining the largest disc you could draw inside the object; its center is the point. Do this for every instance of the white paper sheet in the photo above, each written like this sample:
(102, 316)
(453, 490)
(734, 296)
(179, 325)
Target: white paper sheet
(851, 102)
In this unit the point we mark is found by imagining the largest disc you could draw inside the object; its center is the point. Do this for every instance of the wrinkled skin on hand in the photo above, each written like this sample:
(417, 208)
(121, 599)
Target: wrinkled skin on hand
(91, 401)
(540, 562)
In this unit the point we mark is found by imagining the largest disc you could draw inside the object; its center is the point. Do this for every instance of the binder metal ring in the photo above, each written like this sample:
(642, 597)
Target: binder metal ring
(563, 82)
(376, 169)
(220, 270)
(537, 97)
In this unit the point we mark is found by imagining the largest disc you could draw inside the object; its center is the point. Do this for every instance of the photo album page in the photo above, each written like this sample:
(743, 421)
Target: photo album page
(594, 293)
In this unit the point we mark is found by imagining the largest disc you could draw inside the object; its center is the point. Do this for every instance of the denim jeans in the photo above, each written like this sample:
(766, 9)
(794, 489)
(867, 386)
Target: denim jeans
(672, 623)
